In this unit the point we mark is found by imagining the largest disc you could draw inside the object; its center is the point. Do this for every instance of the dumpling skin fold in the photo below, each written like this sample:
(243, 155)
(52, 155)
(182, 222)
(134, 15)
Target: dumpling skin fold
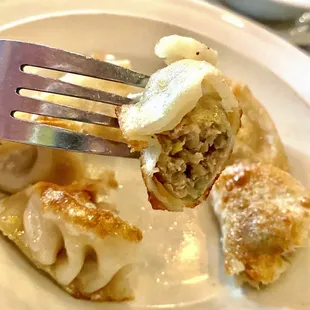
(171, 93)
(74, 237)
(185, 123)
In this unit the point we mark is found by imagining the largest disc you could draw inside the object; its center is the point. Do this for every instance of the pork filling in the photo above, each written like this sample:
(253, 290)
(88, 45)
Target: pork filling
(192, 151)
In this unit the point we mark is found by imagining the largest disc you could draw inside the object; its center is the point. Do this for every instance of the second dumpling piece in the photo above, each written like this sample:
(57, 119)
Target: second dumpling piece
(264, 217)
(75, 235)
(185, 123)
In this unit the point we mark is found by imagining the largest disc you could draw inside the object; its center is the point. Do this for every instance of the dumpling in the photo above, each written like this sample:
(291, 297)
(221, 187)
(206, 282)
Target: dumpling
(75, 237)
(185, 123)
(22, 165)
(257, 139)
(174, 47)
(264, 215)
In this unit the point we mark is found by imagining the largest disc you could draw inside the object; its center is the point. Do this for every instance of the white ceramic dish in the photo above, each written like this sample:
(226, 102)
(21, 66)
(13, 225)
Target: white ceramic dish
(271, 9)
(183, 258)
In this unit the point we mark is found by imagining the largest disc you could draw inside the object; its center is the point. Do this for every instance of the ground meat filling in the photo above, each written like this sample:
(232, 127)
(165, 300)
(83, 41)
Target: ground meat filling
(191, 151)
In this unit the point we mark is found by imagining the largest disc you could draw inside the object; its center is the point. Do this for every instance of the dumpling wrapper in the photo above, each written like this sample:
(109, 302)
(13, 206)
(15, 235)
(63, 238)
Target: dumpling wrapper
(22, 165)
(264, 215)
(76, 237)
(258, 139)
(172, 94)
(173, 48)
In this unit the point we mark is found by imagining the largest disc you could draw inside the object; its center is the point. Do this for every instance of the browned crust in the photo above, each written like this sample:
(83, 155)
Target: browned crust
(69, 203)
(12, 227)
(152, 198)
(255, 132)
(260, 232)
(155, 202)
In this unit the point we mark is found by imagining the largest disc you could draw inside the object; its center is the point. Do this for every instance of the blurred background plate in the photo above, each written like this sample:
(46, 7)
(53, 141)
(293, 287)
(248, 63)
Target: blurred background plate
(271, 9)
(289, 19)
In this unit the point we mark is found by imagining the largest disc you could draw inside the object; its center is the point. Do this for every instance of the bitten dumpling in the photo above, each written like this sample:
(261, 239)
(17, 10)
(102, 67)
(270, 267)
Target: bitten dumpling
(185, 123)
(75, 237)
(264, 216)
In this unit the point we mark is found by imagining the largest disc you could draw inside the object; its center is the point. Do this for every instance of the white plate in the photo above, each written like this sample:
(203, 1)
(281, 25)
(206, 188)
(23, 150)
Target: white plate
(184, 264)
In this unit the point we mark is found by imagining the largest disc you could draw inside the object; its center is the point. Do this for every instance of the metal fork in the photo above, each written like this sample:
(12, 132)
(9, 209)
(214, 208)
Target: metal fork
(14, 56)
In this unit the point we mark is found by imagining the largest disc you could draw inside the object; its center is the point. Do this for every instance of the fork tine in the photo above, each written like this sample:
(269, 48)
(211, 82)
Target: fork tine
(41, 107)
(49, 85)
(60, 138)
(52, 58)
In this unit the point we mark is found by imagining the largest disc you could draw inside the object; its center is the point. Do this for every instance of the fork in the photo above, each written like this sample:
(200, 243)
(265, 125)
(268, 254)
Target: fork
(15, 55)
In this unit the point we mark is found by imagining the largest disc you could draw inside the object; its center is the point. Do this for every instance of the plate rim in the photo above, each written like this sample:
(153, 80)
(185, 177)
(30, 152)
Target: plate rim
(278, 42)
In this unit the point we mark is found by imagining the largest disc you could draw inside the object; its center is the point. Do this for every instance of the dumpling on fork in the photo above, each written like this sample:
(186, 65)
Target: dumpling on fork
(185, 123)
(264, 215)
(74, 236)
